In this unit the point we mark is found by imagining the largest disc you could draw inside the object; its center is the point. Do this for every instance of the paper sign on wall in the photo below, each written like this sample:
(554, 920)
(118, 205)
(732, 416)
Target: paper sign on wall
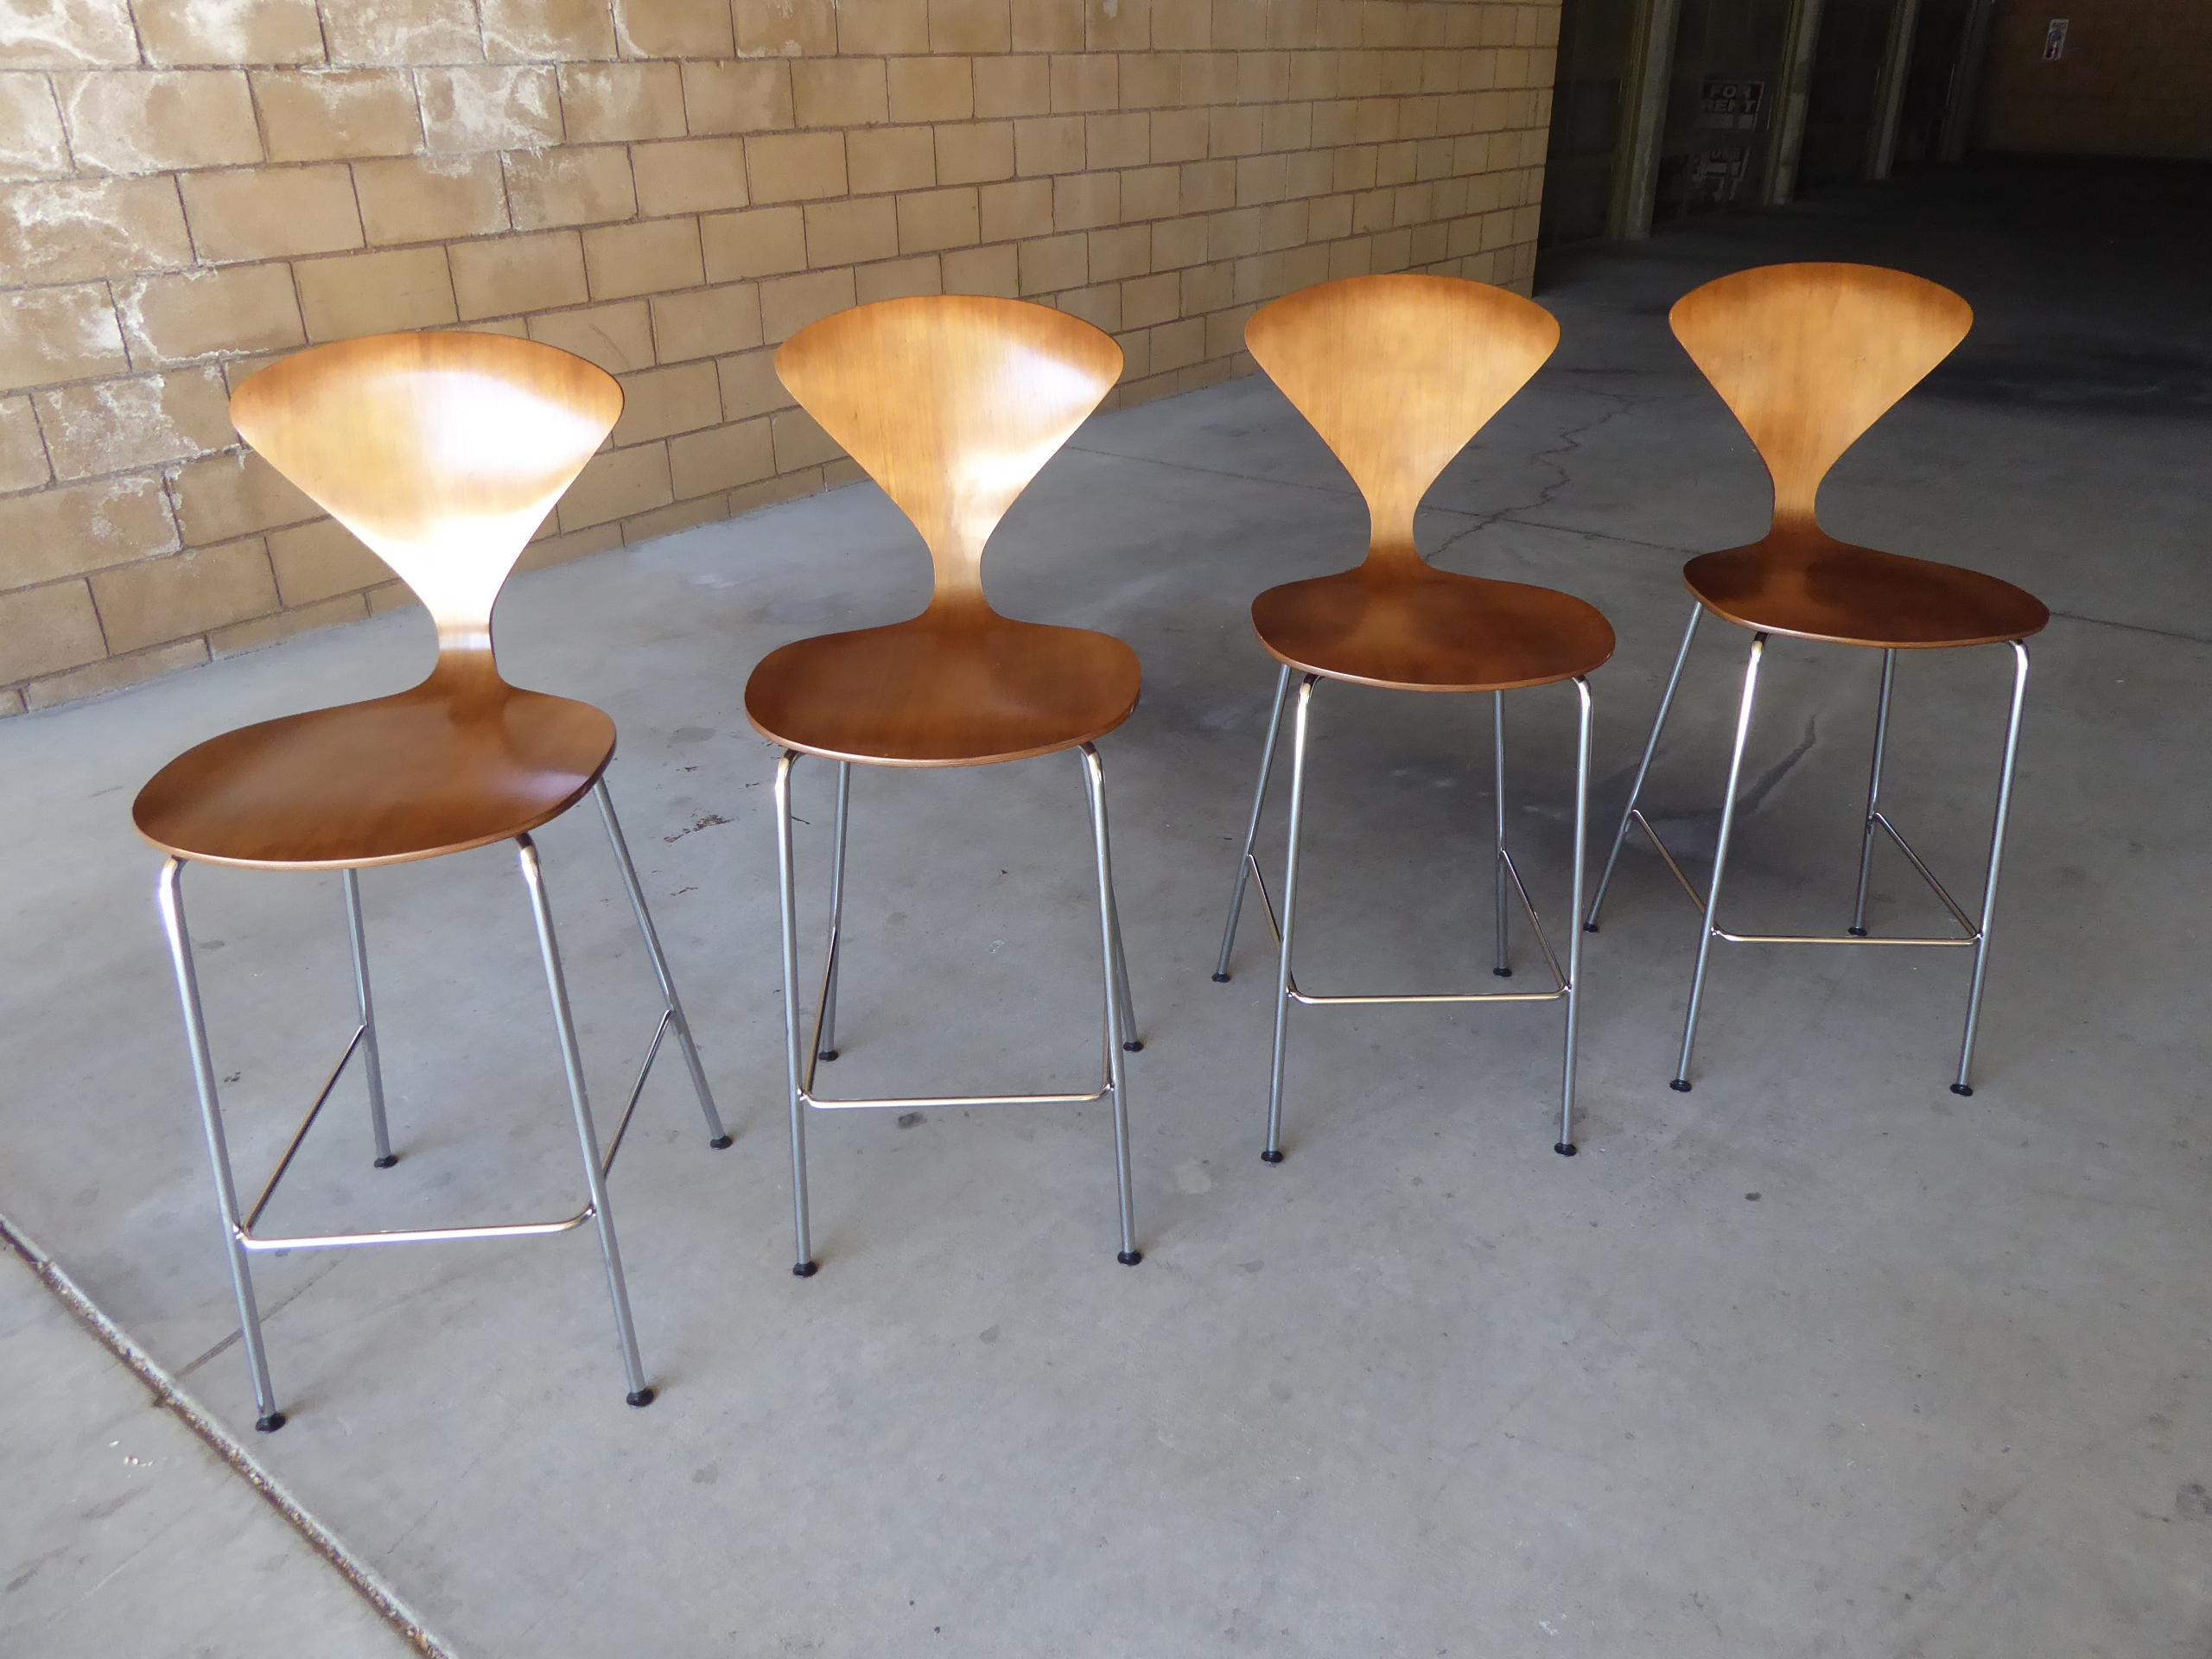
(2054, 41)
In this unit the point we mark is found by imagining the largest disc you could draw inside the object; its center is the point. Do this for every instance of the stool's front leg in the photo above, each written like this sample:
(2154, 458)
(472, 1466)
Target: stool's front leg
(1272, 1152)
(1643, 769)
(1681, 1082)
(1565, 1144)
(1252, 826)
(1963, 1086)
(1119, 1021)
(372, 1063)
(803, 1262)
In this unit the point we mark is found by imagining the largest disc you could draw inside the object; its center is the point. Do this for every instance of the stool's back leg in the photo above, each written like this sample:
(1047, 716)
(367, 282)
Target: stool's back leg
(1252, 826)
(1643, 768)
(1504, 966)
(1873, 792)
(372, 1065)
(827, 1049)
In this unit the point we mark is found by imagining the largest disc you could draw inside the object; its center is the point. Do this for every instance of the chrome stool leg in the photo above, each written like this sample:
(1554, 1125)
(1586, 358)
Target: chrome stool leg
(1119, 1020)
(1504, 968)
(1272, 1152)
(1252, 828)
(1681, 1082)
(827, 1049)
(169, 896)
(1963, 1086)
(1643, 769)
(1126, 1022)
(718, 1137)
(594, 1177)
(1565, 1146)
(372, 1065)
(803, 1264)
(1858, 928)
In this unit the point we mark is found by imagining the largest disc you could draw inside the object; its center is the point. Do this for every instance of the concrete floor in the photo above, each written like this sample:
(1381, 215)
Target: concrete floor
(1819, 1358)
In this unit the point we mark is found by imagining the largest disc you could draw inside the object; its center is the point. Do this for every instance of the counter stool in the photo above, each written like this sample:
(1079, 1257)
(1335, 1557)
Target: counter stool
(1398, 374)
(952, 404)
(442, 452)
(1807, 357)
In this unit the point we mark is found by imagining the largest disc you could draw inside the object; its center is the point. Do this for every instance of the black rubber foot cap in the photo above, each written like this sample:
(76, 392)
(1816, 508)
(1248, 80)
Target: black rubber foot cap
(1589, 927)
(805, 1269)
(1137, 1047)
(1680, 1085)
(387, 1160)
(1962, 1088)
(1856, 932)
(1271, 1157)
(1129, 1258)
(270, 1424)
(641, 1399)
(1565, 1149)
(1503, 973)
(827, 1054)
(722, 1143)
(1221, 979)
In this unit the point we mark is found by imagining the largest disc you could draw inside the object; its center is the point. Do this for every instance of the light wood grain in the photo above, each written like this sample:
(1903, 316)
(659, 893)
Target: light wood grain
(1398, 374)
(1807, 357)
(952, 404)
(443, 453)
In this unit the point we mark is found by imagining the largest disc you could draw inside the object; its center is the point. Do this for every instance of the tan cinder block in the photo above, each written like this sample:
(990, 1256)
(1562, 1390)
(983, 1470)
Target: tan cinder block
(490, 106)
(327, 115)
(750, 386)
(225, 497)
(789, 303)
(1013, 85)
(1050, 143)
(1100, 305)
(31, 142)
(73, 528)
(173, 598)
(1013, 211)
(76, 230)
(153, 121)
(796, 166)
(1176, 345)
(865, 26)
(1048, 25)
(722, 458)
(931, 220)
(577, 184)
(210, 312)
(1120, 25)
(969, 26)
(114, 674)
(112, 426)
(511, 274)
(1151, 192)
(931, 89)
(1149, 300)
(312, 562)
(262, 632)
(611, 103)
(617, 337)
(380, 293)
(892, 158)
(549, 550)
(806, 481)
(1151, 80)
(840, 92)
(786, 28)
(974, 152)
(430, 198)
(737, 96)
(677, 516)
(672, 29)
(983, 270)
(1179, 135)
(1117, 140)
(705, 323)
(59, 333)
(49, 628)
(532, 31)
(763, 242)
(847, 233)
(271, 213)
(185, 32)
(67, 35)
(1179, 242)
(1053, 262)
(660, 403)
(392, 596)
(1118, 253)
(402, 31)
(690, 175)
(617, 483)
(800, 441)
(23, 452)
(898, 279)
(1082, 201)
(1082, 82)
(649, 257)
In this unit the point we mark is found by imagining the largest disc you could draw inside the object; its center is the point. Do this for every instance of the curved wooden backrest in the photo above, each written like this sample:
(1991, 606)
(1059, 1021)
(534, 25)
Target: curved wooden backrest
(1807, 357)
(952, 403)
(443, 452)
(1398, 374)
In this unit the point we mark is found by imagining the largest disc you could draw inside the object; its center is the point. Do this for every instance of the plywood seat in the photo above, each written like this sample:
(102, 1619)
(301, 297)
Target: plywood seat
(944, 691)
(1801, 581)
(1422, 629)
(423, 774)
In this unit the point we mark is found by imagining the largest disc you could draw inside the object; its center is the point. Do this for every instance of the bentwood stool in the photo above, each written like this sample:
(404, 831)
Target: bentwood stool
(952, 404)
(1807, 357)
(1398, 374)
(442, 452)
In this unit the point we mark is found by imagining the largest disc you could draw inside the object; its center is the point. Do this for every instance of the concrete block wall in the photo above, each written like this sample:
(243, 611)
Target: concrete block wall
(189, 188)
